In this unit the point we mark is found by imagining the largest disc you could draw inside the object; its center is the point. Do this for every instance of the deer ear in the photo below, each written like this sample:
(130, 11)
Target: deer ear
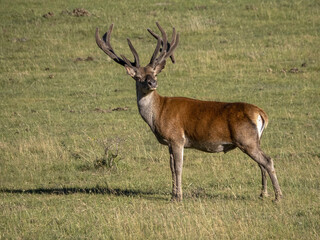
(159, 67)
(130, 71)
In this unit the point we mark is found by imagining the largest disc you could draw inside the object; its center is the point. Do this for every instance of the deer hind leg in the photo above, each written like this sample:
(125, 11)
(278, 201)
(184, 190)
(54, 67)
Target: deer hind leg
(267, 163)
(176, 162)
(272, 173)
(264, 190)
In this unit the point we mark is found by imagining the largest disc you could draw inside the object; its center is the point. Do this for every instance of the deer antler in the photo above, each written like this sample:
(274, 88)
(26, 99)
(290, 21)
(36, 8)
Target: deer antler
(165, 52)
(105, 45)
(159, 55)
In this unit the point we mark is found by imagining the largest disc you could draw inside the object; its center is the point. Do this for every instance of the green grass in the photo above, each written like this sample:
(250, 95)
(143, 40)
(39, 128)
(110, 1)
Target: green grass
(56, 121)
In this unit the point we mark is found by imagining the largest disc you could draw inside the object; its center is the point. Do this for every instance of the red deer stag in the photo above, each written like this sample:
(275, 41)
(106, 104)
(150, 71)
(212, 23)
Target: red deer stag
(180, 122)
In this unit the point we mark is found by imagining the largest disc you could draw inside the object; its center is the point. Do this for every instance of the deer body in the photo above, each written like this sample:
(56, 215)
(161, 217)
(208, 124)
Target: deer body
(198, 124)
(180, 122)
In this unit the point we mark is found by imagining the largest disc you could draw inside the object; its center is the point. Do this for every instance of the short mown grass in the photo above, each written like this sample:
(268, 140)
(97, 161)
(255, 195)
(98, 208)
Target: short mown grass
(78, 162)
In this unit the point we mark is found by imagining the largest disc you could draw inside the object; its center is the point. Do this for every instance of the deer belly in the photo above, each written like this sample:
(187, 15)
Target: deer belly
(211, 147)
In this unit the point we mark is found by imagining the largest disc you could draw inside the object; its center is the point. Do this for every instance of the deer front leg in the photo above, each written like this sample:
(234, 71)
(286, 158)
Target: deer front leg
(176, 163)
(174, 183)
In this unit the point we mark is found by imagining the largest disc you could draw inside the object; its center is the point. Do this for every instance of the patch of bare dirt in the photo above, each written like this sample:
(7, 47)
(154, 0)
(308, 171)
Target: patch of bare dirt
(23, 39)
(251, 8)
(77, 12)
(88, 59)
(200, 7)
(120, 109)
(48, 15)
(294, 70)
(99, 110)
(80, 12)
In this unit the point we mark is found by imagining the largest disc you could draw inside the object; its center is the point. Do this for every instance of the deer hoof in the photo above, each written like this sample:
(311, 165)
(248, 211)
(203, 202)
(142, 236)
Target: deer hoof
(264, 195)
(176, 198)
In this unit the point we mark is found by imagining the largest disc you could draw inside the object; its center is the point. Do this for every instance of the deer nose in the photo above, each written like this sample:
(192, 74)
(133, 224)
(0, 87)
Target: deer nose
(152, 83)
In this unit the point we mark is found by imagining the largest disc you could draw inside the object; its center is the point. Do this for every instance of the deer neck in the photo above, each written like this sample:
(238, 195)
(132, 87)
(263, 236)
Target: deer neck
(148, 105)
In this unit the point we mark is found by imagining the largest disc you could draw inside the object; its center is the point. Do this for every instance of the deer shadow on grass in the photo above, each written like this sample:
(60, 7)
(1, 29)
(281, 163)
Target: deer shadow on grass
(93, 190)
(149, 195)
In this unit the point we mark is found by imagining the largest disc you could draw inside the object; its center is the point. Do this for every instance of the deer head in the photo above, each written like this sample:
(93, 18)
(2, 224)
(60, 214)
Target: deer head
(146, 77)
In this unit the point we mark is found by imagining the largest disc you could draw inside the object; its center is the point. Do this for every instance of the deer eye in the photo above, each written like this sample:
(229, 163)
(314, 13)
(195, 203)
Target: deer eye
(138, 76)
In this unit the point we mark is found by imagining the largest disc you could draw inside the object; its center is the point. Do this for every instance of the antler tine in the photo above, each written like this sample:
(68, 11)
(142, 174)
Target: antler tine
(156, 36)
(135, 54)
(107, 36)
(164, 50)
(105, 45)
(172, 42)
(126, 60)
(173, 46)
(156, 51)
(164, 35)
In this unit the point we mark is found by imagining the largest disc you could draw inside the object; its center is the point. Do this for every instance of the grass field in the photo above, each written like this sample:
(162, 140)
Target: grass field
(78, 162)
